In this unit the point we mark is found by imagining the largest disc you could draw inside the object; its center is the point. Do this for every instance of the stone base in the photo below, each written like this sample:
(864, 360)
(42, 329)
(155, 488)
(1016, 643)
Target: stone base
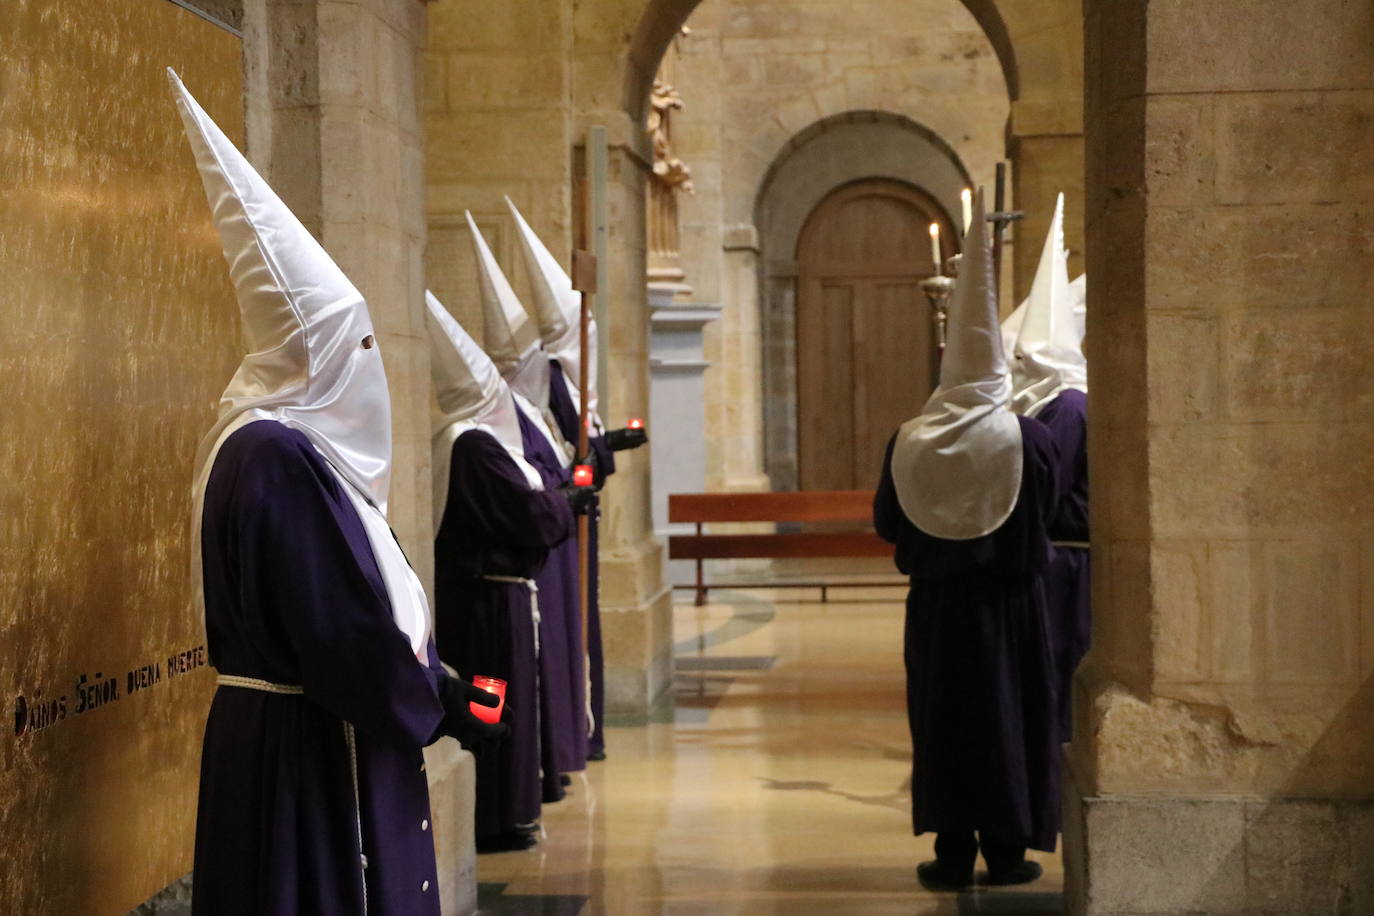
(638, 648)
(452, 775)
(1152, 856)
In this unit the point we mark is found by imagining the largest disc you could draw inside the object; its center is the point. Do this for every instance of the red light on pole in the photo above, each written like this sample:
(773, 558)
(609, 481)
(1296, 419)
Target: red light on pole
(582, 475)
(635, 423)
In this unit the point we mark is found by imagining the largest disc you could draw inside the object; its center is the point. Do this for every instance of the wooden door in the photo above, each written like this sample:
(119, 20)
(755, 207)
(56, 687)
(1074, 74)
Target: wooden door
(865, 346)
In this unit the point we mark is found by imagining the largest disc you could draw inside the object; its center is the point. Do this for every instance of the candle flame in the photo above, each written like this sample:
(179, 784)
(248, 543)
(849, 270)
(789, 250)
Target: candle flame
(966, 195)
(935, 230)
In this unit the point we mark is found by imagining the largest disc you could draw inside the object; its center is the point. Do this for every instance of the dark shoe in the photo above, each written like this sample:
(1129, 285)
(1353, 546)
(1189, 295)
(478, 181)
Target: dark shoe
(531, 828)
(564, 780)
(597, 756)
(1020, 873)
(552, 795)
(941, 876)
(510, 841)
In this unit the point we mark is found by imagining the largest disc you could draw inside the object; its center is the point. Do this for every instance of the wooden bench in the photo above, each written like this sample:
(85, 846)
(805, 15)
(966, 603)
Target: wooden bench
(809, 506)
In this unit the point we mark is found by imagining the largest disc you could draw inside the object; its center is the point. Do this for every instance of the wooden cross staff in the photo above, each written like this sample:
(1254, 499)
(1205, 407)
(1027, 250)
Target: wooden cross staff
(584, 281)
(999, 219)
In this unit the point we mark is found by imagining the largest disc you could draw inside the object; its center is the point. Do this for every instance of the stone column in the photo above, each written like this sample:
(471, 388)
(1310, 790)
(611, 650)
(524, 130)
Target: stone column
(333, 116)
(1224, 752)
(636, 603)
(1045, 145)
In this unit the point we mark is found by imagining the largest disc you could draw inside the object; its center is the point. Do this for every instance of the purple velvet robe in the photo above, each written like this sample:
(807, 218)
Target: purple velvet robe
(563, 685)
(981, 679)
(1069, 583)
(565, 412)
(294, 596)
(495, 524)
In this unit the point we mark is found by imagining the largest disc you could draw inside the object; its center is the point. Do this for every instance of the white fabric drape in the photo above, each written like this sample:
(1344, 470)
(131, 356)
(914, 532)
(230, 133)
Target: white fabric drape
(957, 465)
(313, 363)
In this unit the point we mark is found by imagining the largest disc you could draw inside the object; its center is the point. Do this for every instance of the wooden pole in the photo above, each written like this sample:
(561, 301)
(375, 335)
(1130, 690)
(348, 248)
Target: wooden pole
(584, 281)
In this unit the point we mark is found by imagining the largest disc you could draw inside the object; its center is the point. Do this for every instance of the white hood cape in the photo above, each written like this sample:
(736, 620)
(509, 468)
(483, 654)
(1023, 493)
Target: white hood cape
(558, 309)
(512, 342)
(957, 465)
(471, 395)
(312, 364)
(1049, 353)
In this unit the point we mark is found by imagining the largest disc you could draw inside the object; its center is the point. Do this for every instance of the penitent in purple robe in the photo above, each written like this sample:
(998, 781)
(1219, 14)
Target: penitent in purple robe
(1069, 583)
(981, 680)
(293, 596)
(495, 524)
(562, 674)
(565, 412)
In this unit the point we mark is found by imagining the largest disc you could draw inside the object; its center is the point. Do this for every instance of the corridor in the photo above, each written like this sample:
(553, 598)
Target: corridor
(777, 785)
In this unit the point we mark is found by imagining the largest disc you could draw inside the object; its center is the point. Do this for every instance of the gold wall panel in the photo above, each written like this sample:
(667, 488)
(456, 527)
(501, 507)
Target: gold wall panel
(119, 331)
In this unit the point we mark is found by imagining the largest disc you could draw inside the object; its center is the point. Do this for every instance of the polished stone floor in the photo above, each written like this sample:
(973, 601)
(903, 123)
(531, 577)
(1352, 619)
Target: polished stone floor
(776, 785)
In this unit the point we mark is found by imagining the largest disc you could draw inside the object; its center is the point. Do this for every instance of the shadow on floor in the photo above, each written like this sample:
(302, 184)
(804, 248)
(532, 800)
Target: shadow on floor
(492, 900)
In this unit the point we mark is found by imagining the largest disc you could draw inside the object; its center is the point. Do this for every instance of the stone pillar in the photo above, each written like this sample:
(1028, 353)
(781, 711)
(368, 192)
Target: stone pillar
(1045, 145)
(636, 603)
(741, 364)
(1224, 752)
(677, 392)
(333, 118)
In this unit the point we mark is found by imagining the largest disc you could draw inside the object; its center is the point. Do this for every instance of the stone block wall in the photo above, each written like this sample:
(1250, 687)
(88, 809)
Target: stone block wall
(1229, 315)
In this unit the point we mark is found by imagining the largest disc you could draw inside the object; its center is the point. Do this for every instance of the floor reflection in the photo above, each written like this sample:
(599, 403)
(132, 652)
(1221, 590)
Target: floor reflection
(779, 785)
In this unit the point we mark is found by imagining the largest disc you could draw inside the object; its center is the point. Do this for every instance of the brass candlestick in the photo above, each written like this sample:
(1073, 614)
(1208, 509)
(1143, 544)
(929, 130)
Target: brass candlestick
(938, 289)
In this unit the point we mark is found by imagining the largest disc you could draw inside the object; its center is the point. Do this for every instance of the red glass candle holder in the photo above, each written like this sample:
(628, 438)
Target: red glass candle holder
(635, 423)
(490, 685)
(582, 475)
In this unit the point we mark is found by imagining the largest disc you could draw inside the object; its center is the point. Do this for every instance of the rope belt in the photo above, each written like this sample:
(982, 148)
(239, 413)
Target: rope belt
(1080, 545)
(534, 600)
(253, 683)
(258, 684)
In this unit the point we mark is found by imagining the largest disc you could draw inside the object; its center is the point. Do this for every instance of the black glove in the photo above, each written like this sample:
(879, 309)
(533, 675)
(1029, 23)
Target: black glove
(580, 498)
(477, 736)
(618, 440)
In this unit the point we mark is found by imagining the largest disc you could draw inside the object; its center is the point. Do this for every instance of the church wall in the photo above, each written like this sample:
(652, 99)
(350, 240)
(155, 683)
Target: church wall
(1227, 709)
(122, 331)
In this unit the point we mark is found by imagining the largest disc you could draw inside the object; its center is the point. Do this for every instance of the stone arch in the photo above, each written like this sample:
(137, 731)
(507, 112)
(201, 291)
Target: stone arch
(659, 20)
(813, 164)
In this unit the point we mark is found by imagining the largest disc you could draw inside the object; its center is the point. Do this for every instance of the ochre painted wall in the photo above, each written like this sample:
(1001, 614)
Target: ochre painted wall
(120, 330)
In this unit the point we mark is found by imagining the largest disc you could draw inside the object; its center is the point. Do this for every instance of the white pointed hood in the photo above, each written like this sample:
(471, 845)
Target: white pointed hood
(471, 395)
(1079, 290)
(1049, 353)
(511, 338)
(1011, 326)
(558, 309)
(957, 466)
(312, 365)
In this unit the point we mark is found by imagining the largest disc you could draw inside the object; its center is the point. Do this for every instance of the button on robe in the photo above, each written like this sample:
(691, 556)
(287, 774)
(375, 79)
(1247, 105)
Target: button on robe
(293, 596)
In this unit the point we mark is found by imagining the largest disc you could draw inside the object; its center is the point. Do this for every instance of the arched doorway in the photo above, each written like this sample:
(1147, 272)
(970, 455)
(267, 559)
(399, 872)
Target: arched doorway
(865, 347)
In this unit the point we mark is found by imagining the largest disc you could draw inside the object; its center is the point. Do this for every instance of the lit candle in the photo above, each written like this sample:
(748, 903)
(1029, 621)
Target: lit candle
(935, 245)
(966, 198)
(582, 475)
(635, 423)
(490, 685)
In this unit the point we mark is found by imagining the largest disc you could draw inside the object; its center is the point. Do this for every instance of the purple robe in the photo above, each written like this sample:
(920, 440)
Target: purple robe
(981, 679)
(565, 412)
(1069, 583)
(562, 675)
(293, 596)
(495, 524)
